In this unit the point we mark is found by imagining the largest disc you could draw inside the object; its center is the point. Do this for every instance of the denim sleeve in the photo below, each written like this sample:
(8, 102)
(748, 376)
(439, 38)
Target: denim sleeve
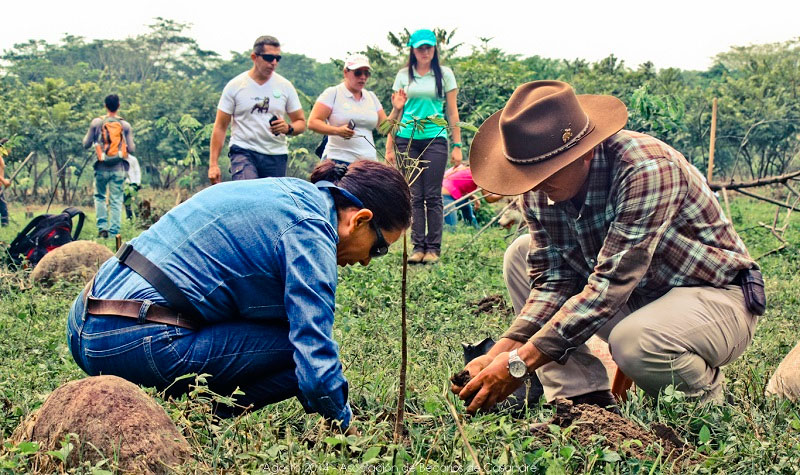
(308, 251)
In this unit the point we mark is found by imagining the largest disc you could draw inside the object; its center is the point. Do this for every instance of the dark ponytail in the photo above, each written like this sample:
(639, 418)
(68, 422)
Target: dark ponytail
(381, 188)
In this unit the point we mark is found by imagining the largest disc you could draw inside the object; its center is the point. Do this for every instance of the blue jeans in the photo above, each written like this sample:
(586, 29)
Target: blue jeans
(467, 213)
(3, 208)
(256, 357)
(111, 180)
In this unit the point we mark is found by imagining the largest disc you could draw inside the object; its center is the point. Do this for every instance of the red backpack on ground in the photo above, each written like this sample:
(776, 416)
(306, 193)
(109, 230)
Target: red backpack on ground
(43, 234)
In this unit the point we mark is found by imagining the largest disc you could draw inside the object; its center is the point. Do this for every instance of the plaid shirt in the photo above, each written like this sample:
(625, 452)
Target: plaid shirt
(648, 223)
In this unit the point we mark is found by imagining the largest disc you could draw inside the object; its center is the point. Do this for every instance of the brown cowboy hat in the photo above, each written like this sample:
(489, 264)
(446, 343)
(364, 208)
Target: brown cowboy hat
(543, 128)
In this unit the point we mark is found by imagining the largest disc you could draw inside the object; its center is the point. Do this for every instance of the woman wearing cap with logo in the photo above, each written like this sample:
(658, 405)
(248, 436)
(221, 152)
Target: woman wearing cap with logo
(347, 113)
(432, 91)
(239, 282)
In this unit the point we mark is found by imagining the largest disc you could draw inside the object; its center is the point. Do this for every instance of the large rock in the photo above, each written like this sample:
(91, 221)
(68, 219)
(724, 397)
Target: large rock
(76, 261)
(786, 380)
(113, 420)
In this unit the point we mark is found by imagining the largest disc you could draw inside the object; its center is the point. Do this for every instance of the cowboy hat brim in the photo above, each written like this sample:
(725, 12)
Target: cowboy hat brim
(493, 172)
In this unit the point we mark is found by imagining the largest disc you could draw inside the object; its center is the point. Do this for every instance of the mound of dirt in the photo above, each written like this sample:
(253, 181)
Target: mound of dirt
(589, 421)
(76, 261)
(491, 303)
(113, 419)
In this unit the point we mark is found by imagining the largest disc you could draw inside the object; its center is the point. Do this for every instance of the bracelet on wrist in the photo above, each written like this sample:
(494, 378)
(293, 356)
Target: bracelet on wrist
(456, 144)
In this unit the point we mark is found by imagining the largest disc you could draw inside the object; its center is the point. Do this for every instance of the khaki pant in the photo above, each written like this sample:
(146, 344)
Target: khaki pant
(682, 338)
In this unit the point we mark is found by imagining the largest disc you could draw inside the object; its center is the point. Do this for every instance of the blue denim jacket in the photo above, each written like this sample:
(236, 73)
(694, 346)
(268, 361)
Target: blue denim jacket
(256, 249)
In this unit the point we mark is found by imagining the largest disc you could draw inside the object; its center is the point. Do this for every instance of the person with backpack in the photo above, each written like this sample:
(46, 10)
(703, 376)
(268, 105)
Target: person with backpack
(112, 138)
(4, 183)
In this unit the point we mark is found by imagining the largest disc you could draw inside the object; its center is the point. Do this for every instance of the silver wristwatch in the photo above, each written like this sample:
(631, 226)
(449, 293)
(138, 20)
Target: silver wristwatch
(516, 367)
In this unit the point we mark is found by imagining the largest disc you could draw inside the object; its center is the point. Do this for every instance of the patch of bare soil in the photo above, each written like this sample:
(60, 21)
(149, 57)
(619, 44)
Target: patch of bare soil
(489, 304)
(588, 421)
(113, 420)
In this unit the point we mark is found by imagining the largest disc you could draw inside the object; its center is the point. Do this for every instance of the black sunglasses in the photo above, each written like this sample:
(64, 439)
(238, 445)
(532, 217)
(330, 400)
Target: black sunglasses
(362, 72)
(381, 247)
(270, 57)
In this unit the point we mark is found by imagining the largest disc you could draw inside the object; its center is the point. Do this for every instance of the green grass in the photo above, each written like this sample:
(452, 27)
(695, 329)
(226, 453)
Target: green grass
(752, 435)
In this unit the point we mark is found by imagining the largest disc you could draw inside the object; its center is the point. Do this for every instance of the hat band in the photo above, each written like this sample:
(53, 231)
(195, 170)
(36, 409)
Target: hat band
(569, 144)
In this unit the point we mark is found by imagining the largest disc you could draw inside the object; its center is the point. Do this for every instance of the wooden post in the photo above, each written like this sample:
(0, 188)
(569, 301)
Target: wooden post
(713, 139)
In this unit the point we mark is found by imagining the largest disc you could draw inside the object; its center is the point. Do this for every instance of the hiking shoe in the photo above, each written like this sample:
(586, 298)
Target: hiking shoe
(416, 257)
(430, 258)
(103, 234)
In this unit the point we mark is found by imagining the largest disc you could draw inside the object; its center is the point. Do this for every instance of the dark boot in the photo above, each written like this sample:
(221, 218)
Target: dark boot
(603, 399)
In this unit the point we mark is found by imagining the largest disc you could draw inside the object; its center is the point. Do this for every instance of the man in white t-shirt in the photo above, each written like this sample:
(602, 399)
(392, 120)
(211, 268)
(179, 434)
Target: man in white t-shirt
(265, 110)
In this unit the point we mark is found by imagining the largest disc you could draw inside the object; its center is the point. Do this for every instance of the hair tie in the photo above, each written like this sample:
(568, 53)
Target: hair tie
(339, 171)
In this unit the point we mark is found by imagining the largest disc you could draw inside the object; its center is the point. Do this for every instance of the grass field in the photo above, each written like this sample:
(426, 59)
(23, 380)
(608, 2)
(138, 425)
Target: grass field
(752, 435)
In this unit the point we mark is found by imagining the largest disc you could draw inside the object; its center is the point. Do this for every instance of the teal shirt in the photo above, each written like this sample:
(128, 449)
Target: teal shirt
(422, 101)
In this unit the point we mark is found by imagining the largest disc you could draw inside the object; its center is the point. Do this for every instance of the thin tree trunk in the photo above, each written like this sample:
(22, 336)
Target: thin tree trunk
(401, 397)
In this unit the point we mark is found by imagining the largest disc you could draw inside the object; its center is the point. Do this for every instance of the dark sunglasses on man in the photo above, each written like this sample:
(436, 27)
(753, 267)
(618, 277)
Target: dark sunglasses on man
(381, 247)
(362, 72)
(270, 57)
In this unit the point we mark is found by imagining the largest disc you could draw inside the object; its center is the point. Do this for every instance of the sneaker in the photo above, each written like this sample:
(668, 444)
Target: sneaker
(416, 257)
(103, 234)
(430, 258)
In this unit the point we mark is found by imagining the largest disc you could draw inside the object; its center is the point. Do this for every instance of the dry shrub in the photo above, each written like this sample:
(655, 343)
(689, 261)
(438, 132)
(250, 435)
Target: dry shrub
(76, 262)
(113, 419)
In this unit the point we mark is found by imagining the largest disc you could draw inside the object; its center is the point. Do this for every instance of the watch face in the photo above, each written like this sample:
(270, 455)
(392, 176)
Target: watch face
(517, 368)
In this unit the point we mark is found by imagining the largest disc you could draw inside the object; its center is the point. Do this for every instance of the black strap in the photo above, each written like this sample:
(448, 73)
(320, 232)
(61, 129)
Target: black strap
(72, 212)
(24, 233)
(157, 278)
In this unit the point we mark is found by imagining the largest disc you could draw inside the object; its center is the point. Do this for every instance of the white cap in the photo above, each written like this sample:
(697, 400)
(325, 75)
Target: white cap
(357, 61)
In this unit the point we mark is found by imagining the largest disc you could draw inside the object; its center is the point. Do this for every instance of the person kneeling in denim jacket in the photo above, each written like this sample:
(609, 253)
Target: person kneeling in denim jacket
(257, 259)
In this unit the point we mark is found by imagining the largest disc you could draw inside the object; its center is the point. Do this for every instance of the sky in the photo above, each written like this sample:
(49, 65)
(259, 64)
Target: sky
(678, 33)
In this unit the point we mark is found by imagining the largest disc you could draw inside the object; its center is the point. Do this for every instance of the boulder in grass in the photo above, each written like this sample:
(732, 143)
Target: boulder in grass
(76, 261)
(113, 420)
(785, 382)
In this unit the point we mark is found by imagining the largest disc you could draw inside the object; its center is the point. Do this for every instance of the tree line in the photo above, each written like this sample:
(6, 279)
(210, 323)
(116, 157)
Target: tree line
(170, 87)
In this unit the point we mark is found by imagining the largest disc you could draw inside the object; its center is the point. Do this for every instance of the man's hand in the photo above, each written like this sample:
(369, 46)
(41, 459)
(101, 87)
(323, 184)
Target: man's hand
(474, 367)
(214, 175)
(279, 126)
(6, 181)
(492, 385)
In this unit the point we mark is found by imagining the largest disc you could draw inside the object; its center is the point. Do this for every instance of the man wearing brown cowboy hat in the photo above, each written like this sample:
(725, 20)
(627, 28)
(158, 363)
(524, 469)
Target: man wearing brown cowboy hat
(626, 242)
